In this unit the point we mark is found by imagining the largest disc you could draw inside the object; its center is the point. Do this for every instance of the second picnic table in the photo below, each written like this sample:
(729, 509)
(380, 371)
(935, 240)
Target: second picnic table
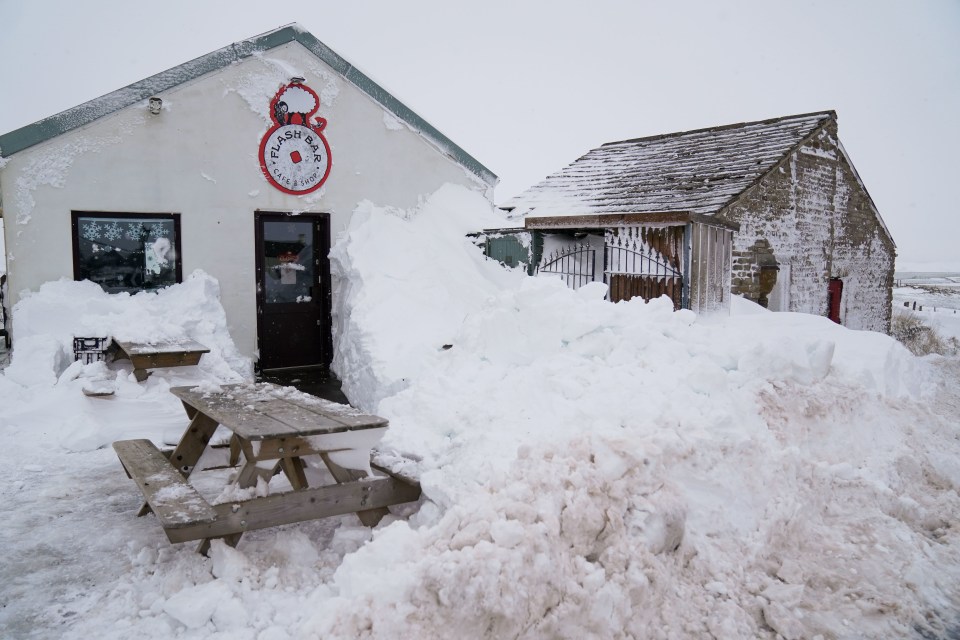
(162, 353)
(273, 428)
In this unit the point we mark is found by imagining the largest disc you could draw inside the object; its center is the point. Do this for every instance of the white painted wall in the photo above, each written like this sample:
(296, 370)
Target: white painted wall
(779, 298)
(199, 158)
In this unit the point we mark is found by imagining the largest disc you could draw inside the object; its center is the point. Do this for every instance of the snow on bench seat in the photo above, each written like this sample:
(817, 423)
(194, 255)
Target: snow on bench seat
(173, 500)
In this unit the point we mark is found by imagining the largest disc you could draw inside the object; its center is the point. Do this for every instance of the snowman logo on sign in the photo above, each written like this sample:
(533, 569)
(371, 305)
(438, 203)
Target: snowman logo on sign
(294, 154)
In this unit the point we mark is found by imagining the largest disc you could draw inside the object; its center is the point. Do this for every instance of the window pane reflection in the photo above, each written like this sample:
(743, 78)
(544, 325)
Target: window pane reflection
(288, 261)
(126, 253)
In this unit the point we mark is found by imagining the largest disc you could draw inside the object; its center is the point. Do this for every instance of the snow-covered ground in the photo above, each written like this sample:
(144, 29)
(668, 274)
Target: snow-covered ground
(590, 470)
(931, 296)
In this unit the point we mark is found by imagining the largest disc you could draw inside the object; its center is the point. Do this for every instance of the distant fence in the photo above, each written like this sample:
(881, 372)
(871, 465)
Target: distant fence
(928, 280)
(916, 306)
(941, 286)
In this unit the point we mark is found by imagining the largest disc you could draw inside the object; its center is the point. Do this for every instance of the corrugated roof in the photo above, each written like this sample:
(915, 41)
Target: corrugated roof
(696, 171)
(87, 112)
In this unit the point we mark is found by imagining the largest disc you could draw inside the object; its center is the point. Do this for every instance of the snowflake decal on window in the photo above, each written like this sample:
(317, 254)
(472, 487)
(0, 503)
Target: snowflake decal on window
(135, 231)
(112, 231)
(159, 231)
(92, 231)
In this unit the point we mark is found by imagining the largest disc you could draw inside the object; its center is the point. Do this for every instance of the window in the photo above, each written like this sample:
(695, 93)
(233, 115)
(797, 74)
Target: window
(127, 251)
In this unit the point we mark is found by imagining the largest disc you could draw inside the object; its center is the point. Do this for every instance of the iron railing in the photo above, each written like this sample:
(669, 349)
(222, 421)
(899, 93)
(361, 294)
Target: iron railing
(575, 264)
(638, 259)
(638, 262)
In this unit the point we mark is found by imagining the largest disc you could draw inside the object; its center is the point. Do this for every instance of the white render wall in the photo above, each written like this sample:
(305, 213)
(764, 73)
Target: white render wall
(199, 158)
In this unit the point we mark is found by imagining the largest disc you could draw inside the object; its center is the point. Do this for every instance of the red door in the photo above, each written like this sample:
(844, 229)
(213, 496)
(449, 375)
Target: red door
(835, 291)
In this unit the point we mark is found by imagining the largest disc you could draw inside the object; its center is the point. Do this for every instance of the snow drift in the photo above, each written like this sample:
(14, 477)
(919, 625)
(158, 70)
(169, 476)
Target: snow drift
(607, 470)
(590, 470)
(47, 321)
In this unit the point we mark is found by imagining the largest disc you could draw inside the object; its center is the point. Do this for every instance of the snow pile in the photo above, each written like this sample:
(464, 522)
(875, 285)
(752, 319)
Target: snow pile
(41, 391)
(590, 470)
(49, 319)
(392, 312)
(598, 468)
(586, 538)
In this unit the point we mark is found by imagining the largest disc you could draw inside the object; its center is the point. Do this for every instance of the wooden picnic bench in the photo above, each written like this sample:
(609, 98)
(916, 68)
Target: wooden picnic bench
(153, 355)
(273, 430)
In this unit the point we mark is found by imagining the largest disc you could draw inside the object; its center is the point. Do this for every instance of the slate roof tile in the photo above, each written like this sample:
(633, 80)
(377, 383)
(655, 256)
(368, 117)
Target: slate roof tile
(694, 171)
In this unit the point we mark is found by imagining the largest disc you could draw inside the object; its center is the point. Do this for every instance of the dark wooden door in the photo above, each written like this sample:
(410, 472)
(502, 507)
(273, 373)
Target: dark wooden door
(293, 290)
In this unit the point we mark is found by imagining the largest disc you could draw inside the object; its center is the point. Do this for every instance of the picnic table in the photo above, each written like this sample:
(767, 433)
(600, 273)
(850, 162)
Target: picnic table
(152, 355)
(272, 429)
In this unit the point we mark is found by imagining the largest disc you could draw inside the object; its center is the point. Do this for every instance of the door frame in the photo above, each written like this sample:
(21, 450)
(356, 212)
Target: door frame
(321, 239)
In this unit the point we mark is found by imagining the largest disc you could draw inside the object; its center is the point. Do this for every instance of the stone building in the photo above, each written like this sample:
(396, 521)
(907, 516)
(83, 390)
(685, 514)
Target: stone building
(809, 239)
(244, 163)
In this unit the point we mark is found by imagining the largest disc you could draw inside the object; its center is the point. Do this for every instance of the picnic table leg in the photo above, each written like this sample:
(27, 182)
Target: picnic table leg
(193, 443)
(291, 466)
(190, 448)
(234, 450)
(369, 517)
(245, 479)
(293, 469)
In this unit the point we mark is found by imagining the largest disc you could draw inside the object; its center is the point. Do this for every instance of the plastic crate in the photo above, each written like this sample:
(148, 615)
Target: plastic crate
(89, 350)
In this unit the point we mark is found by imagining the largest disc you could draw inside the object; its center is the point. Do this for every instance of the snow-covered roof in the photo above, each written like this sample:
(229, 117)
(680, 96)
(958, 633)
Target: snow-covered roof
(694, 171)
(30, 135)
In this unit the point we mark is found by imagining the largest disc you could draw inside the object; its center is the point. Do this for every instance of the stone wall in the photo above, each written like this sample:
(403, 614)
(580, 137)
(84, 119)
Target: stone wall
(807, 220)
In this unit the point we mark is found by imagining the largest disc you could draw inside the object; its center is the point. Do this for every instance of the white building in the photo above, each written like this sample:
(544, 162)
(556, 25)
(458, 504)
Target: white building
(244, 163)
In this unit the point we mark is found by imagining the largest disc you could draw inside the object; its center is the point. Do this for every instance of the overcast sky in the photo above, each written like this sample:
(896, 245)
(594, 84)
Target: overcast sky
(527, 87)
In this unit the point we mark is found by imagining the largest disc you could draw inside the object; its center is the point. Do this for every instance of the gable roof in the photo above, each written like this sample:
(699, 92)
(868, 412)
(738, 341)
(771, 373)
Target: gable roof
(48, 128)
(697, 171)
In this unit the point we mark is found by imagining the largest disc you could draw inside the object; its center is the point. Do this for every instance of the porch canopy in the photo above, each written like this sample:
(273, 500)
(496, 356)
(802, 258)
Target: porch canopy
(683, 255)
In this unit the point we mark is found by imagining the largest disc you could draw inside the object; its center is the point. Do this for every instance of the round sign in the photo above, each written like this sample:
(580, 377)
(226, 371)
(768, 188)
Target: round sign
(295, 158)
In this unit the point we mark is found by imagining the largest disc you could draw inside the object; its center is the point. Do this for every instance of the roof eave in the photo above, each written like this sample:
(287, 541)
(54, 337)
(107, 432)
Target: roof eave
(55, 125)
(863, 186)
(609, 220)
(83, 114)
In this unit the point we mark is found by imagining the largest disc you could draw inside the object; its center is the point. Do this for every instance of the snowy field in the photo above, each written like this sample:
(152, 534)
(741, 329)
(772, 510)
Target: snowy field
(933, 296)
(590, 470)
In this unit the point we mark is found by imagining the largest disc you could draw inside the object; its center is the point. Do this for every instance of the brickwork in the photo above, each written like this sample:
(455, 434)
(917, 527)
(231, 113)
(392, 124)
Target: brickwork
(810, 213)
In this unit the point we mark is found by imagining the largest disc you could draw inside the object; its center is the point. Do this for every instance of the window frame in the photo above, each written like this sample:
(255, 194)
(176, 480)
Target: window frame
(170, 217)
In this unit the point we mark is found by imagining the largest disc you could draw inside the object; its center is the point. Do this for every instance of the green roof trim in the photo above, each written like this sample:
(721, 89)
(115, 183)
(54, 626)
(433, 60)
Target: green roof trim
(53, 126)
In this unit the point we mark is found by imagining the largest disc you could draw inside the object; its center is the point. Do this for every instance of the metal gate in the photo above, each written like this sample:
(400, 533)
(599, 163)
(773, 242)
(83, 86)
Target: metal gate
(644, 262)
(574, 264)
